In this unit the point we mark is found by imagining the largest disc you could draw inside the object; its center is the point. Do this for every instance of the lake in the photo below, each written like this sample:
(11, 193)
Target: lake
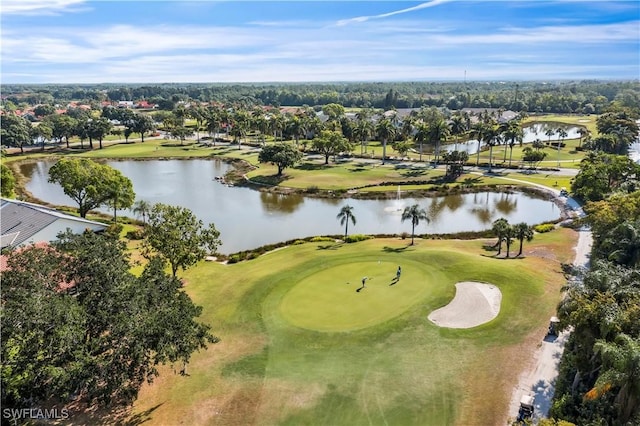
(247, 218)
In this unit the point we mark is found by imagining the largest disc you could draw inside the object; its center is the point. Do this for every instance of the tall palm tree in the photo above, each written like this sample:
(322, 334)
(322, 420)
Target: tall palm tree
(346, 214)
(479, 131)
(422, 135)
(499, 228)
(438, 132)
(549, 132)
(582, 131)
(492, 137)
(522, 231)
(513, 133)
(458, 126)
(562, 134)
(142, 208)
(510, 233)
(362, 130)
(385, 131)
(416, 214)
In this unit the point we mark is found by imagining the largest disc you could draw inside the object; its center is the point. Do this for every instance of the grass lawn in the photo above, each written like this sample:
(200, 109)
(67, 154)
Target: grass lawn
(300, 346)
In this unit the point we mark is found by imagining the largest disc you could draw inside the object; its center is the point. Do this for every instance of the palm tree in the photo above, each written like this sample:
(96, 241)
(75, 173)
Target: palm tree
(522, 231)
(562, 134)
(142, 208)
(346, 214)
(458, 126)
(416, 214)
(492, 135)
(621, 369)
(500, 227)
(513, 134)
(385, 131)
(479, 130)
(582, 132)
(509, 234)
(362, 131)
(438, 132)
(422, 135)
(549, 132)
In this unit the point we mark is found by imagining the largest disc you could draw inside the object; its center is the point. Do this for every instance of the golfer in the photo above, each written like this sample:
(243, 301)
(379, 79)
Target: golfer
(398, 272)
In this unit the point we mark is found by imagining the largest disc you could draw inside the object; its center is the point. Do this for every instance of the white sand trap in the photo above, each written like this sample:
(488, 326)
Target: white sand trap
(474, 304)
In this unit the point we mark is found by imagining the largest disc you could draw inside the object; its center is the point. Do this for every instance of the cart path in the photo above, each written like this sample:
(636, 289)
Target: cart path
(539, 379)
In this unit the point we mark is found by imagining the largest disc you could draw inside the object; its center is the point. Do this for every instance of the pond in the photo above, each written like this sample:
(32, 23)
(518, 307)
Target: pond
(531, 133)
(247, 218)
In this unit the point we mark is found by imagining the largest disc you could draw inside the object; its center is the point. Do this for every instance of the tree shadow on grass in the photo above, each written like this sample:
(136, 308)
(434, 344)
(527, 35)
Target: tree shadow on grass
(332, 246)
(413, 173)
(312, 166)
(120, 415)
(388, 249)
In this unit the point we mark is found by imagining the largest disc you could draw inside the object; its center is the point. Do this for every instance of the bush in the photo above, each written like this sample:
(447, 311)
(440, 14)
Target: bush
(134, 234)
(233, 259)
(298, 242)
(544, 227)
(357, 237)
(114, 229)
(321, 239)
(313, 189)
(404, 235)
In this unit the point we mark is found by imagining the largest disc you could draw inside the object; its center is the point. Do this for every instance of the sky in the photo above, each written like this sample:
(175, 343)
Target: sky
(128, 41)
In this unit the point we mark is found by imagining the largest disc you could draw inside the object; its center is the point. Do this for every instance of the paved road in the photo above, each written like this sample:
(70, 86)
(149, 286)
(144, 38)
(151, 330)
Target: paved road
(539, 380)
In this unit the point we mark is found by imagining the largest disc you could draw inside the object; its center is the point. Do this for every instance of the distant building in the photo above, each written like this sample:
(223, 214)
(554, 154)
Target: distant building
(25, 223)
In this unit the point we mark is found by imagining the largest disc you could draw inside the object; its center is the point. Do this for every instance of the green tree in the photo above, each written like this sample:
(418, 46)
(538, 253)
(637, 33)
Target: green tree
(7, 181)
(176, 236)
(346, 214)
(438, 132)
(43, 132)
(282, 155)
(103, 343)
(454, 162)
(532, 157)
(562, 133)
(621, 371)
(142, 124)
(88, 183)
(522, 232)
(98, 128)
(415, 214)
(331, 143)
(601, 174)
(122, 195)
(15, 131)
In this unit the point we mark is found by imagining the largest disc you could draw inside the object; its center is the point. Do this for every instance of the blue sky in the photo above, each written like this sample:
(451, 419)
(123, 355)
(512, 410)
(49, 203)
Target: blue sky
(83, 41)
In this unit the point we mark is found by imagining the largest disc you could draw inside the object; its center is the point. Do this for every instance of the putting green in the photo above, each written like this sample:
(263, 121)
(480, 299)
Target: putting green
(330, 301)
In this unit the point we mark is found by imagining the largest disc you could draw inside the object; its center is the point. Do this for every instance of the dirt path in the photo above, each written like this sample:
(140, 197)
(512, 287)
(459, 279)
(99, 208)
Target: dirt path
(539, 379)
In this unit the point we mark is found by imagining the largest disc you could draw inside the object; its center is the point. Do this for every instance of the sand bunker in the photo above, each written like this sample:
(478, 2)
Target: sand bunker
(474, 304)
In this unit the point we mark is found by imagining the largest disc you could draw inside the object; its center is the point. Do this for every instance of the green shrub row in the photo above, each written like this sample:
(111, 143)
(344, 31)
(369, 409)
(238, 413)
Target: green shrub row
(357, 237)
(544, 227)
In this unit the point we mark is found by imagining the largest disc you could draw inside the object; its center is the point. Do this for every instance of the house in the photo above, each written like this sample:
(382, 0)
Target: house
(25, 223)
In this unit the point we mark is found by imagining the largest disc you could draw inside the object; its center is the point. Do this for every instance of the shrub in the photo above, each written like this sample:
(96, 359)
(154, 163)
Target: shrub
(233, 259)
(404, 235)
(357, 237)
(114, 229)
(313, 189)
(544, 227)
(134, 234)
(321, 239)
(298, 242)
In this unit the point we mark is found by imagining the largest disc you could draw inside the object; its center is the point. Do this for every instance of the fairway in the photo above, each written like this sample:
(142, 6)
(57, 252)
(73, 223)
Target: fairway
(335, 300)
(300, 346)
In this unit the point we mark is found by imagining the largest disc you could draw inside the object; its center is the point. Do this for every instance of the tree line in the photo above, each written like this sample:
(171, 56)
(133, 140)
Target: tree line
(599, 381)
(531, 96)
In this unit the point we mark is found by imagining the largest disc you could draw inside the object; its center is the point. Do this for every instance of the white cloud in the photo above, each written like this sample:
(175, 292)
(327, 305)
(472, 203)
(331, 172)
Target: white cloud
(37, 7)
(386, 15)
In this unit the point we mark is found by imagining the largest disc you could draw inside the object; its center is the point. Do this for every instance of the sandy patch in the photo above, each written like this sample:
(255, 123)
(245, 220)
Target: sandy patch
(474, 304)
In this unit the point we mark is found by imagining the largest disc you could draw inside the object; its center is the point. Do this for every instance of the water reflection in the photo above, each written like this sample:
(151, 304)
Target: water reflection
(247, 218)
(280, 203)
(531, 132)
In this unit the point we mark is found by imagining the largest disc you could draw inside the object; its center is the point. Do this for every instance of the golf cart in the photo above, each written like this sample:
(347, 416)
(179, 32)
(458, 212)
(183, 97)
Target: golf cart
(564, 192)
(526, 408)
(553, 326)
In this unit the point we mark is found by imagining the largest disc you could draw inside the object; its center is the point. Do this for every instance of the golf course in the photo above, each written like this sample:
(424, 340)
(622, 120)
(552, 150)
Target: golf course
(304, 342)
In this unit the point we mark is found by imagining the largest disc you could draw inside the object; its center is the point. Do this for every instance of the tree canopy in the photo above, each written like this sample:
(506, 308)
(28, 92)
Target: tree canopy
(77, 323)
(282, 155)
(91, 184)
(176, 236)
